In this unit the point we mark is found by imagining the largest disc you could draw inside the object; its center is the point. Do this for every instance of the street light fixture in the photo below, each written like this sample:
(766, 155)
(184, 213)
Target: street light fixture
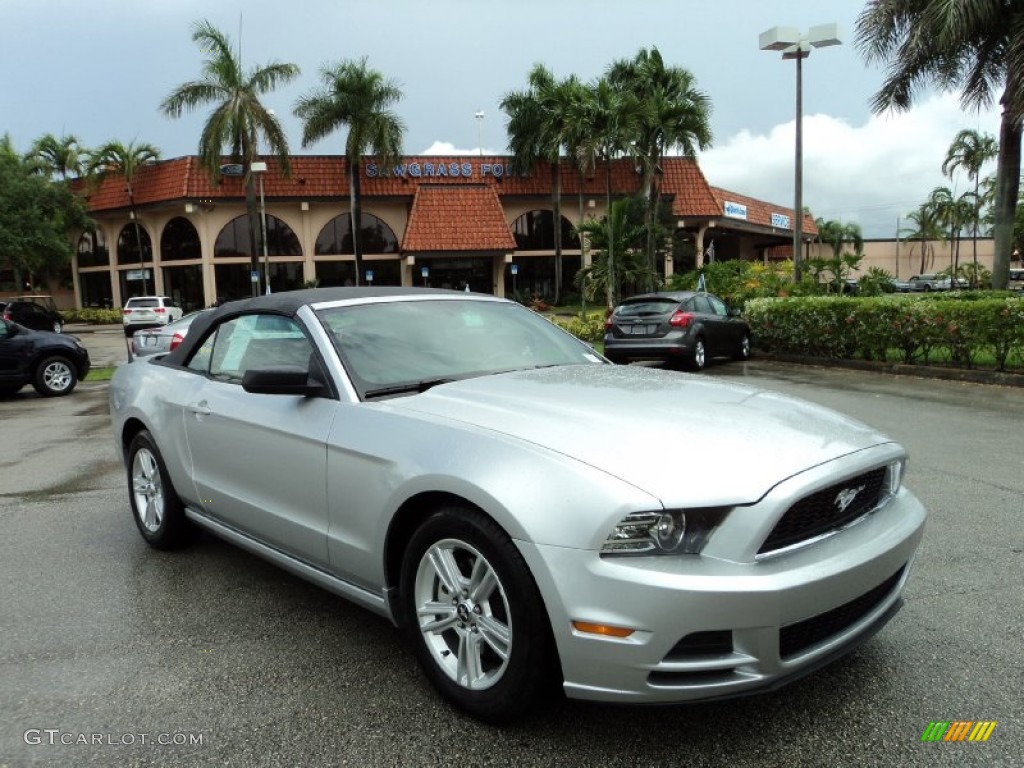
(795, 45)
(480, 131)
(260, 167)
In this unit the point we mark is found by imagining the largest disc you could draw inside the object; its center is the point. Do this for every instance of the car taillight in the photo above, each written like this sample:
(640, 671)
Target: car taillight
(680, 319)
(159, 310)
(608, 324)
(176, 339)
(126, 311)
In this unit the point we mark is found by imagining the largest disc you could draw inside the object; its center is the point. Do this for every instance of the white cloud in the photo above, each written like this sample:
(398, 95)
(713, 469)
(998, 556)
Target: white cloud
(871, 174)
(447, 148)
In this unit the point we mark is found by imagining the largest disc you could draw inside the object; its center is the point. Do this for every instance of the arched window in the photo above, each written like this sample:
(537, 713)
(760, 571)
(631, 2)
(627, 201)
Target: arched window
(128, 245)
(535, 231)
(179, 240)
(233, 240)
(336, 236)
(92, 250)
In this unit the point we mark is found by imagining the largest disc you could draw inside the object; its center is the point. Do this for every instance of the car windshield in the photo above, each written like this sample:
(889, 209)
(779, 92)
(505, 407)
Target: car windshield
(397, 346)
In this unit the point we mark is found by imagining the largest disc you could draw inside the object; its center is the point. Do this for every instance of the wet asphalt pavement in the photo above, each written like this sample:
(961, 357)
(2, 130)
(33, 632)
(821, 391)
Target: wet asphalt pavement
(104, 640)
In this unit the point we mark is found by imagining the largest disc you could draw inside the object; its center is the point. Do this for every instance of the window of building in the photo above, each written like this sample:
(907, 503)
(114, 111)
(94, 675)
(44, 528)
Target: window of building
(128, 245)
(336, 236)
(535, 231)
(233, 240)
(92, 250)
(179, 240)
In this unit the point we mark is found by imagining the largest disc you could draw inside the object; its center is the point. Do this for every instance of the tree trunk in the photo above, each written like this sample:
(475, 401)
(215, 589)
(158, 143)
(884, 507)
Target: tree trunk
(356, 210)
(611, 235)
(1007, 189)
(556, 199)
(252, 210)
(138, 241)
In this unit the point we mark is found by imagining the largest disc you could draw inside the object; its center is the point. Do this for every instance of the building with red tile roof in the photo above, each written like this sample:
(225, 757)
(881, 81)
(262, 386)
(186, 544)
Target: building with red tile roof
(439, 221)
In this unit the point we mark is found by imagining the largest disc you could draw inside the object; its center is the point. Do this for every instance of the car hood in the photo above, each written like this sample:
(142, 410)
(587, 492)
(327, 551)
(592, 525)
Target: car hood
(682, 438)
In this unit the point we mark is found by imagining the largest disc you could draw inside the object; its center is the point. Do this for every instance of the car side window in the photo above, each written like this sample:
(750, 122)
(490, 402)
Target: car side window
(251, 342)
(701, 305)
(717, 306)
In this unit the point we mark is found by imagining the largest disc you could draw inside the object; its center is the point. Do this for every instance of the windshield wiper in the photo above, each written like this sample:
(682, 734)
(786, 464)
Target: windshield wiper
(401, 389)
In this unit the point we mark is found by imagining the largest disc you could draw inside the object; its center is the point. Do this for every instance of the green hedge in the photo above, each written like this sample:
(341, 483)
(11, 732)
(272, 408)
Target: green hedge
(92, 316)
(589, 328)
(961, 330)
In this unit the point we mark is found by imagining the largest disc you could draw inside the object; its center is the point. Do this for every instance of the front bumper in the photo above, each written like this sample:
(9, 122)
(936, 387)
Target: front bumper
(761, 623)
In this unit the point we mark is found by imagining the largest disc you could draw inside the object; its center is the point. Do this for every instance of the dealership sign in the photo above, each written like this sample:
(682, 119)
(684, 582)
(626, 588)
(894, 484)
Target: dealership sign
(780, 220)
(735, 210)
(436, 170)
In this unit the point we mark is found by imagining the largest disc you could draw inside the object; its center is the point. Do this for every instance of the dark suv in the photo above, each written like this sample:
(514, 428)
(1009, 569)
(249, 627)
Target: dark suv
(36, 312)
(51, 363)
(677, 326)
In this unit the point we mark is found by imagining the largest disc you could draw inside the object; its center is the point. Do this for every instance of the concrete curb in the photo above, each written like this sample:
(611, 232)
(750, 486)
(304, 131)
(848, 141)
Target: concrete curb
(972, 375)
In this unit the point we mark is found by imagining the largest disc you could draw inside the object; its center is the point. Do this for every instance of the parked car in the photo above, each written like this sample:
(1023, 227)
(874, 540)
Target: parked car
(677, 327)
(895, 285)
(52, 363)
(929, 283)
(1016, 282)
(527, 512)
(148, 312)
(36, 312)
(154, 341)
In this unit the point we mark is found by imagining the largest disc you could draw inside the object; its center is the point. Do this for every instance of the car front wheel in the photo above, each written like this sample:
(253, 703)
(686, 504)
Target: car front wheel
(478, 626)
(743, 351)
(55, 376)
(159, 513)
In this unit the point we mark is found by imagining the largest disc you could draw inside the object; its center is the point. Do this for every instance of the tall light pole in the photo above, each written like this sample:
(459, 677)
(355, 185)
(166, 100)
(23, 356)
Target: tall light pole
(260, 167)
(795, 45)
(480, 131)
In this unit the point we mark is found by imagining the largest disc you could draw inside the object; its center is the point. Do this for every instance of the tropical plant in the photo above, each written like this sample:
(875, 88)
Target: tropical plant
(239, 120)
(619, 264)
(973, 46)
(125, 160)
(36, 215)
(359, 99)
(62, 158)
(837, 235)
(952, 213)
(970, 150)
(675, 115)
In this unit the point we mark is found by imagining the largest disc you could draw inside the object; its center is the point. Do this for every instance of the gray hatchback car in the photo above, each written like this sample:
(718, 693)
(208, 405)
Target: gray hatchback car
(678, 327)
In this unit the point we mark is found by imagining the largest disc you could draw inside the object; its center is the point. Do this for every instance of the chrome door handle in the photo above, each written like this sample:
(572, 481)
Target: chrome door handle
(200, 409)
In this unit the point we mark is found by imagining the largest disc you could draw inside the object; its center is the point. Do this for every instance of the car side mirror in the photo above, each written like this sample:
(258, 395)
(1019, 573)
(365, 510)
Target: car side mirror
(734, 312)
(285, 380)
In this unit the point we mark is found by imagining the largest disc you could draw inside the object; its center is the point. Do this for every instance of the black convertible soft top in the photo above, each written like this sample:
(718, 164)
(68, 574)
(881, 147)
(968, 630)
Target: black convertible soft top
(286, 303)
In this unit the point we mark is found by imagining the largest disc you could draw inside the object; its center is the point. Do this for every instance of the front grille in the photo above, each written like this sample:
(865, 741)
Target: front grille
(820, 512)
(798, 637)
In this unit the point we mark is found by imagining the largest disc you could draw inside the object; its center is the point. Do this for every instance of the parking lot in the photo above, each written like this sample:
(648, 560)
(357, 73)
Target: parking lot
(233, 662)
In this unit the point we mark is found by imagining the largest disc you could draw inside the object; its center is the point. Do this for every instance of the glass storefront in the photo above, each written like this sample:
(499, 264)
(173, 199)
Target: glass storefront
(456, 274)
(96, 290)
(185, 286)
(232, 282)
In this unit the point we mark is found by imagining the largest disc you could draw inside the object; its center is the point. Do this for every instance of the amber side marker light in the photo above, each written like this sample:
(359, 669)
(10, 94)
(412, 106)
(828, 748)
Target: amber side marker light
(602, 629)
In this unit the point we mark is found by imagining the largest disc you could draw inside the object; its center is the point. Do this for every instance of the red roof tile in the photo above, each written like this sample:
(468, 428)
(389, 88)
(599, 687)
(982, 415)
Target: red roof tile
(457, 218)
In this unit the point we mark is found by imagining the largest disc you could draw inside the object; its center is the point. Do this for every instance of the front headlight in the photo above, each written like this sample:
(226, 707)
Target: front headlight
(666, 532)
(894, 478)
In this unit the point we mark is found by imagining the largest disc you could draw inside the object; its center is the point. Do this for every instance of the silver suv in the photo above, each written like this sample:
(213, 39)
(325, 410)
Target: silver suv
(935, 283)
(148, 312)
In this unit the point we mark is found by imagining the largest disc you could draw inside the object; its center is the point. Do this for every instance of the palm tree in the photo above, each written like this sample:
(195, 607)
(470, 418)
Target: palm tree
(125, 160)
(970, 45)
(675, 115)
(952, 213)
(539, 128)
(359, 99)
(926, 229)
(621, 234)
(970, 150)
(61, 157)
(239, 120)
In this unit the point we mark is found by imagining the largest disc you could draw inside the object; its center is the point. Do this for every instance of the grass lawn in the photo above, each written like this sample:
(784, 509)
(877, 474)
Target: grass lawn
(101, 374)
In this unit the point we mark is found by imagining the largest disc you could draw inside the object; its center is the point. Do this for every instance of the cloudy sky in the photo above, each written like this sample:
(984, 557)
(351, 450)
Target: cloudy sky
(99, 69)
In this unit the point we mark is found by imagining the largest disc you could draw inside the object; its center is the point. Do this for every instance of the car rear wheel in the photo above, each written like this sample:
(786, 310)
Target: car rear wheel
(478, 626)
(58, 326)
(159, 513)
(698, 355)
(55, 376)
(743, 351)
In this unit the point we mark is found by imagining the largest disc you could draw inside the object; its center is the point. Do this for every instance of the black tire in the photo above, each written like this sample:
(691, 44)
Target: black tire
(55, 376)
(58, 327)
(511, 608)
(698, 355)
(128, 332)
(162, 523)
(616, 359)
(743, 351)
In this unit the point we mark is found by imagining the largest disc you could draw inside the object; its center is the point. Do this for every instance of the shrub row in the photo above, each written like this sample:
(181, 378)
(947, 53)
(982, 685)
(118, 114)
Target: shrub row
(91, 316)
(589, 328)
(898, 328)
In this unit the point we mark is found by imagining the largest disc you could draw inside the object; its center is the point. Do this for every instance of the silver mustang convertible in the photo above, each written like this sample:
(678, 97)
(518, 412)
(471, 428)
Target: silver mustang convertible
(532, 515)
